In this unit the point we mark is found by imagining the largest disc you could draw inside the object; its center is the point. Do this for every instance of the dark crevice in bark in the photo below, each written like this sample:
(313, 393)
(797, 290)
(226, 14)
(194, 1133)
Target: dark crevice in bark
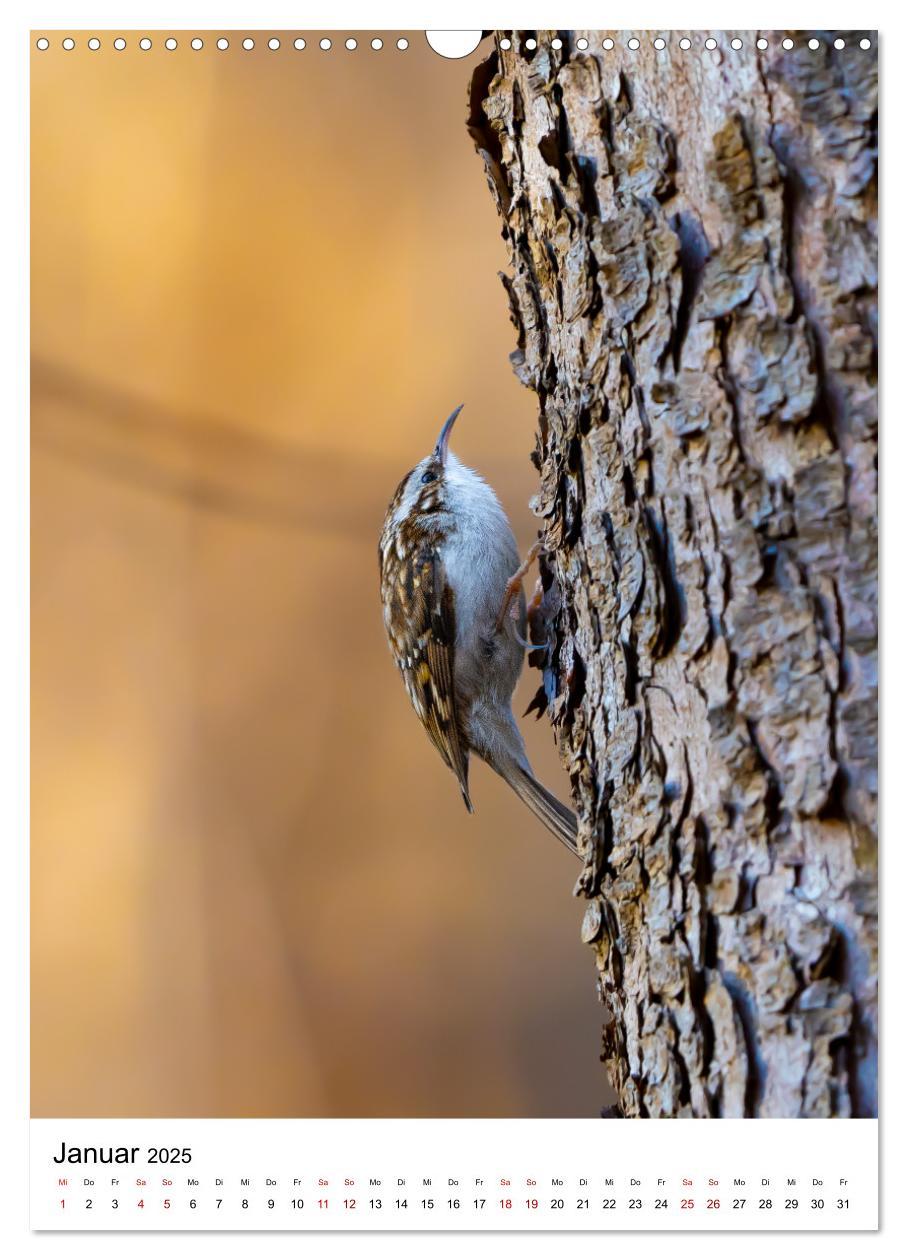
(755, 1076)
(673, 601)
(692, 255)
(587, 176)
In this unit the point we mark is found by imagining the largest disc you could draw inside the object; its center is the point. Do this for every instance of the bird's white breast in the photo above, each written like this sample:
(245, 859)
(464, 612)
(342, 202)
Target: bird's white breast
(479, 556)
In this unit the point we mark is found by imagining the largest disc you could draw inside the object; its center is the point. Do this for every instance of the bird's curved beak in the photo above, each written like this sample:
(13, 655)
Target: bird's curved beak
(441, 446)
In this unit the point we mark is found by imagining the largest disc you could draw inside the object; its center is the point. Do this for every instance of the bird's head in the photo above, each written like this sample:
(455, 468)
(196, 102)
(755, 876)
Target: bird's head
(423, 490)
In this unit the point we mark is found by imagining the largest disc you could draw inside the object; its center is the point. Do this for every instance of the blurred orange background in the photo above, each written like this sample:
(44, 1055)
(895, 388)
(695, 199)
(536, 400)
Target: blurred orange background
(260, 281)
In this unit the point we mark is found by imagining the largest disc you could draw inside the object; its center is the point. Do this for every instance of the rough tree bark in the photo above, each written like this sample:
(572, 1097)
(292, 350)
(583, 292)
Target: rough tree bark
(692, 237)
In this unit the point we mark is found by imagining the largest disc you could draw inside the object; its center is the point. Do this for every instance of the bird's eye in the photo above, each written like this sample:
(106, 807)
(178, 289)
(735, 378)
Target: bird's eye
(427, 477)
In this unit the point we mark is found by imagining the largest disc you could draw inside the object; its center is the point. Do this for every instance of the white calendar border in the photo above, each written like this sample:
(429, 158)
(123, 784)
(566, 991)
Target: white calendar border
(204, 14)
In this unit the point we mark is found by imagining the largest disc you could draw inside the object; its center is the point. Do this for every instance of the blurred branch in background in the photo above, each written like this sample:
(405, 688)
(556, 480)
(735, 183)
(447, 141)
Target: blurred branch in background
(208, 462)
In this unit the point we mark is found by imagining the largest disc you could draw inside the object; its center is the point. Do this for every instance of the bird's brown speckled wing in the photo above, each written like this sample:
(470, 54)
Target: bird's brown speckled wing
(419, 619)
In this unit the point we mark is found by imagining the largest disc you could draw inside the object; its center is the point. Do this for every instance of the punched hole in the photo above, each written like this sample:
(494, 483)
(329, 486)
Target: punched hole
(453, 44)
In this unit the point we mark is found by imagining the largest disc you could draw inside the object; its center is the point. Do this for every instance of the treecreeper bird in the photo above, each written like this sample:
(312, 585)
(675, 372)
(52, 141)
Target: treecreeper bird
(455, 615)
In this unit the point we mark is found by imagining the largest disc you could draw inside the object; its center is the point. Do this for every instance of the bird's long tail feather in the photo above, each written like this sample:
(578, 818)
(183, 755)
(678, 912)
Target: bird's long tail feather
(560, 820)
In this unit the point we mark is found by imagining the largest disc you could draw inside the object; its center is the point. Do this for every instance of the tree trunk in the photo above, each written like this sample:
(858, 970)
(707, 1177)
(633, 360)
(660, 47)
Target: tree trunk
(692, 238)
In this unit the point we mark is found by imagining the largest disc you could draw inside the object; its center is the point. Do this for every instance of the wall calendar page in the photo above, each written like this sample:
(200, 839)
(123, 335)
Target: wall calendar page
(454, 629)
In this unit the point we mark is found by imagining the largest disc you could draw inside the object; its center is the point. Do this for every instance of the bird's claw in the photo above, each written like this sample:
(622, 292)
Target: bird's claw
(514, 585)
(530, 647)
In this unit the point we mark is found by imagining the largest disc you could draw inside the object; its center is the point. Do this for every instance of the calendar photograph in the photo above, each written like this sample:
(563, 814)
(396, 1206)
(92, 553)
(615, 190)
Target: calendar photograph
(454, 595)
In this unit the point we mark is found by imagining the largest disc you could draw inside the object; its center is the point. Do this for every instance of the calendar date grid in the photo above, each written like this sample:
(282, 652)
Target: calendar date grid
(473, 1195)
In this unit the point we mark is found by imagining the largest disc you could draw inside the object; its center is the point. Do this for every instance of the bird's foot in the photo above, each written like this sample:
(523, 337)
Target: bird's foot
(513, 587)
